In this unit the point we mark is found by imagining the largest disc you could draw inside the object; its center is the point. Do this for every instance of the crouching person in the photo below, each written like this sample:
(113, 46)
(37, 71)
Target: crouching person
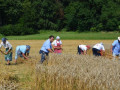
(8, 52)
(46, 48)
(82, 49)
(98, 49)
(22, 51)
(115, 48)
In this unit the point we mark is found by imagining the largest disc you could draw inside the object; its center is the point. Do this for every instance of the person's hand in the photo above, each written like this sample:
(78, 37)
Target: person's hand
(6, 53)
(59, 48)
(26, 58)
(111, 51)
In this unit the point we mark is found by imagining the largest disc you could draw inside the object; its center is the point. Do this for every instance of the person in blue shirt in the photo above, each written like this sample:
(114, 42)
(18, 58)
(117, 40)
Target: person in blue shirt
(115, 48)
(22, 51)
(46, 48)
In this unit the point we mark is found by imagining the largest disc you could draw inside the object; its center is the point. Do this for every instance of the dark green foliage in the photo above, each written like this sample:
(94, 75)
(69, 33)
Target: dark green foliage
(20, 17)
(17, 29)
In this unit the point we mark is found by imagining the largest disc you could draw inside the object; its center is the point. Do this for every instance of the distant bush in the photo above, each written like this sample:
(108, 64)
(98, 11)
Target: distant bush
(1, 36)
(17, 29)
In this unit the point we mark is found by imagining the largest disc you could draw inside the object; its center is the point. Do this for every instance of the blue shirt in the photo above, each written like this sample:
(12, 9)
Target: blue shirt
(116, 47)
(23, 49)
(47, 45)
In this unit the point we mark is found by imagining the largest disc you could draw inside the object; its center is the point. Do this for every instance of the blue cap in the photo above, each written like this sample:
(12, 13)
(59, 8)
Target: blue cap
(28, 47)
(4, 39)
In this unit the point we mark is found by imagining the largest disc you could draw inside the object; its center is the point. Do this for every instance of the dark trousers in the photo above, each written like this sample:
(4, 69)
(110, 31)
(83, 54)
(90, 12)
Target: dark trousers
(80, 51)
(96, 52)
(43, 54)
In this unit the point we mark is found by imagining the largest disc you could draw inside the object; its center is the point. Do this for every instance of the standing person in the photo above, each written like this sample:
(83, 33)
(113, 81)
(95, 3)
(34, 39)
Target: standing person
(8, 52)
(22, 51)
(98, 49)
(46, 48)
(57, 45)
(82, 49)
(115, 48)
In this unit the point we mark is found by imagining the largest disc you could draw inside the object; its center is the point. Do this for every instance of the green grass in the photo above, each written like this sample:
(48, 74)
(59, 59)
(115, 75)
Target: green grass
(68, 36)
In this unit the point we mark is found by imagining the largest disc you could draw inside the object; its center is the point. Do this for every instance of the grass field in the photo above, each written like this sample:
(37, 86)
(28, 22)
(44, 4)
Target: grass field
(69, 72)
(69, 36)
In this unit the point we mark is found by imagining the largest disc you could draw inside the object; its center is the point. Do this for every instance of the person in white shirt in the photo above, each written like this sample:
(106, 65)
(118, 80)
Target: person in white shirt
(82, 49)
(98, 49)
(57, 45)
(8, 52)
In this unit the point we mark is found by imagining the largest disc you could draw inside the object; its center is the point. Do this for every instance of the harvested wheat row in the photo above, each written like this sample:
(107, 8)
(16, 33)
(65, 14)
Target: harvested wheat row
(74, 72)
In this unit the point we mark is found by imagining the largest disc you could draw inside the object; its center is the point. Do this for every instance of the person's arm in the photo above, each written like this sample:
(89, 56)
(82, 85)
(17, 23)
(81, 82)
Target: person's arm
(50, 50)
(61, 46)
(113, 45)
(27, 54)
(8, 51)
(111, 49)
(24, 56)
(84, 52)
(54, 46)
(1, 50)
(102, 52)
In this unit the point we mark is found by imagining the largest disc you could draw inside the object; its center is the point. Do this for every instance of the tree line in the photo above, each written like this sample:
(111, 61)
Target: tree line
(21, 17)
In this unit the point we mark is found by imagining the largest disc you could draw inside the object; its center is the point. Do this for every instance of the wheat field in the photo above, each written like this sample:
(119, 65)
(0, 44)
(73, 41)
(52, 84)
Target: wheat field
(63, 72)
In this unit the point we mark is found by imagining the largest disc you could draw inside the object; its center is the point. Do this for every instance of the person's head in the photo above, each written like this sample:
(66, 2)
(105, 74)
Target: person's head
(51, 37)
(101, 43)
(57, 38)
(28, 47)
(88, 46)
(119, 39)
(4, 40)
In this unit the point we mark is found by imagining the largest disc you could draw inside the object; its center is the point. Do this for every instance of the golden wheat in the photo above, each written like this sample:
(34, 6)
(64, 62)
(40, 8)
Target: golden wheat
(67, 71)
(74, 72)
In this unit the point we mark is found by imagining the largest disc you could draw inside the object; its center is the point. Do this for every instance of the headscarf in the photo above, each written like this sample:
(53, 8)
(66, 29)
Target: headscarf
(4, 39)
(57, 37)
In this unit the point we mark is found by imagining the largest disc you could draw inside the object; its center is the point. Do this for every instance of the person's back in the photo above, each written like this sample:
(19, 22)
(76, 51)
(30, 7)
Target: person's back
(21, 48)
(46, 45)
(116, 47)
(98, 49)
(99, 46)
(82, 49)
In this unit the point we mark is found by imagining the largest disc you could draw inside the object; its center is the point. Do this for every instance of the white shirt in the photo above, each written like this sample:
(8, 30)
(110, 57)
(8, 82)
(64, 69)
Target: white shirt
(6, 45)
(99, 46)
(55, 42)
(83, 47)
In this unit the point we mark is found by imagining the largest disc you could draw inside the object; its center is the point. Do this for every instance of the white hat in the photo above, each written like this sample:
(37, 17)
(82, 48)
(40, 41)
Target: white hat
(119, 38)
(57, 37)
